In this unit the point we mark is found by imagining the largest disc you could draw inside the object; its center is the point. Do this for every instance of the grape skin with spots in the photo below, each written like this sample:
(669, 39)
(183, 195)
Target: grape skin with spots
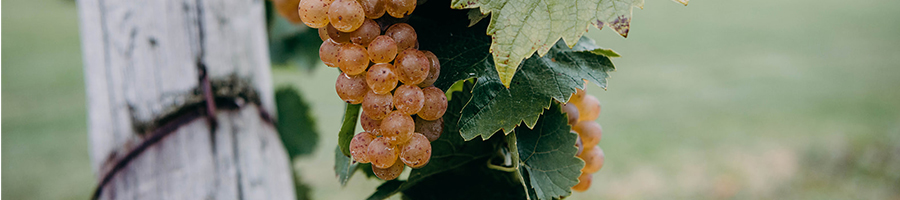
(409, 99)
(382, 153)
(389, 173)
(400, 8)
(359, 145)
(314, 13)
(337, 36)
(377, 106)
(435, 104)
(430, 128)
(353, 59)
(381, 78)
(417, 152)
(368, 124)
(382, 49)
(351, 89)
(365, 33)
(329, 52)
(374, 9)
(404, 35)
(346, 15)
(397, 127)
(412, 66)
(433, 72)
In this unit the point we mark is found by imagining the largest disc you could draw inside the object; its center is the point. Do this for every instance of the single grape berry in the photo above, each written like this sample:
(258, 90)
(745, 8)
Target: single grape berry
(431, 129)
(323, 33)
(368, 124)
(433, 72)
(337, 36)
(365, 33)
(417, 151)
(353, 59)
(397, 127)
(578, 144)
(572, 111)
(435, 104)
(329, 52)
(346, 15)
(389, 173)
(412, 66)
(588, 108)
(593, 160)
(382, 153)
(590, 132)
(404, 35)
(314, 13)
(381, 78)
(359, 145)
(351, 88)
(289, 10)
(382, 49)
(377, 106)
(400, 8)
(409, 99)
(374, 9)
(584, 182)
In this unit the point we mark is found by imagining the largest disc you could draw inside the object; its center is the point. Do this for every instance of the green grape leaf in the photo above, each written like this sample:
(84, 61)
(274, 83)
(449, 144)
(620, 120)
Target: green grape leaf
(449, 151)
(296, 124)
(547, 153)
(463, 54)
(521, 28)
(344, 167)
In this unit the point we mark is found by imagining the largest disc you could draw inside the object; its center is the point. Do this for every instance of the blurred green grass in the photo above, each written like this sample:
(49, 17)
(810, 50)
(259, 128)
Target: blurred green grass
(717, 100)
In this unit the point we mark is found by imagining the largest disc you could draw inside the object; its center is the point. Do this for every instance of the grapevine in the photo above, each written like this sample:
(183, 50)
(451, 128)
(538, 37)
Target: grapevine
(431, 84)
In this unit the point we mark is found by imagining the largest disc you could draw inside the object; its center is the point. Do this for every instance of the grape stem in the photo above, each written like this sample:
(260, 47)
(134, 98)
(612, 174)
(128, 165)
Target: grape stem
(348, 127)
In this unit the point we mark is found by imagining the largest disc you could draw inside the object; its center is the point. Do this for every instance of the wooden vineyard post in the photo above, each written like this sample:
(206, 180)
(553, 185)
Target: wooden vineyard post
(180, 100)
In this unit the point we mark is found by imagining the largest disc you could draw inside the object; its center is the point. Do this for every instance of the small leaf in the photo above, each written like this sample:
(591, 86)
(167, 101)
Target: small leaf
(547, 153)
(348, 127)
(605, 52)
(296, 124)
(475, 16)
(344, 167)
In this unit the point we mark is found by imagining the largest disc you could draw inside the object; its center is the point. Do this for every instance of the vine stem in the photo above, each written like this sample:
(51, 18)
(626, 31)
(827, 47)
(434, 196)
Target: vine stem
(348, 127)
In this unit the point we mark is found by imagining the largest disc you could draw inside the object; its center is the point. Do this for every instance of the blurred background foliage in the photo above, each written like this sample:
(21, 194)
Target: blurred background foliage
(759, 99)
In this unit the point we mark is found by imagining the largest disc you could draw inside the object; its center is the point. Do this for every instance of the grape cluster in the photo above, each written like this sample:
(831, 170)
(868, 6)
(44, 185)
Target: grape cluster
(582, 110)
(383, 70)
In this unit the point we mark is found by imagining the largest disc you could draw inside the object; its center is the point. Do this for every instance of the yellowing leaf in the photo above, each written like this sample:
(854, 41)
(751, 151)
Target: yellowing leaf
(519, 28)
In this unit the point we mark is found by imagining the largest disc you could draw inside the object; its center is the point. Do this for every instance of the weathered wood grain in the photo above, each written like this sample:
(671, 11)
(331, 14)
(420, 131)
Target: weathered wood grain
(142, 63)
